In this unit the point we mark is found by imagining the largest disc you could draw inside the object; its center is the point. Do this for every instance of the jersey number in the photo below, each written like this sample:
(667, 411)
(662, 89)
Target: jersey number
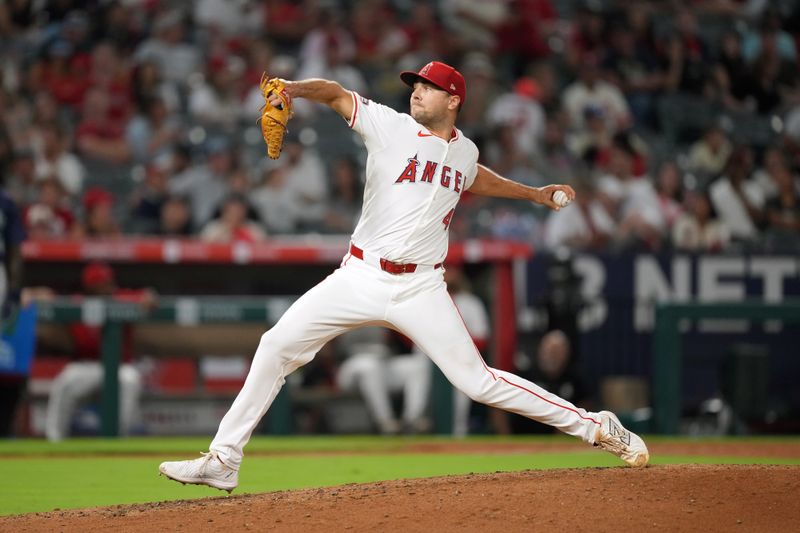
(448, 217)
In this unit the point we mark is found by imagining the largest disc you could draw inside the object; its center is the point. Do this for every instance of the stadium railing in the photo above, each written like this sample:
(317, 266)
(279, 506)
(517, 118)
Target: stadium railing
(667, 349)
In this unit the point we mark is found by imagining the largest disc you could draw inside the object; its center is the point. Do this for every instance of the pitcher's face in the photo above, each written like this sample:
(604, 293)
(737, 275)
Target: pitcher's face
(429, 104)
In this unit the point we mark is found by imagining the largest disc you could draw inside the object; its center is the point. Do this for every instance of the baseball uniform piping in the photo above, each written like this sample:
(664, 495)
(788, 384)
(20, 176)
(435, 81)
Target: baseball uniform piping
(355, 109)
(501, 378)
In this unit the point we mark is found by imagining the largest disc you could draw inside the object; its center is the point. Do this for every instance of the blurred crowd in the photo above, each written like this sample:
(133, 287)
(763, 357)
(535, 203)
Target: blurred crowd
(677, 122)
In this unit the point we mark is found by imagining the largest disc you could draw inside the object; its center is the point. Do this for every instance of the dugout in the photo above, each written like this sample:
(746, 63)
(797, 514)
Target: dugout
(263, 278)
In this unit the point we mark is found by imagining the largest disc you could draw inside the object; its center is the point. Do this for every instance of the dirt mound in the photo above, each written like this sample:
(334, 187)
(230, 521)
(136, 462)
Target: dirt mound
(671, 498)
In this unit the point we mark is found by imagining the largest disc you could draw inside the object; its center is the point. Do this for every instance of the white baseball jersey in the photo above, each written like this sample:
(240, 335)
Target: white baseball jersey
(414, 181)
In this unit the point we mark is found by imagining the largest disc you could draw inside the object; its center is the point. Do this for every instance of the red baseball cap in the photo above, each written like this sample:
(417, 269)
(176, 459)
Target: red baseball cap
(95, 196)
(440, 74)
(96, 273)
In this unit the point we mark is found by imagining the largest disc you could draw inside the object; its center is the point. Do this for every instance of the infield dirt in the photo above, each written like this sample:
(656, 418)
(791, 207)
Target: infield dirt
(667, 498)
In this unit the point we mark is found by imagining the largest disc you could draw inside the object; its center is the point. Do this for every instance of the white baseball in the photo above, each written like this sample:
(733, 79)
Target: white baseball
(561, 199)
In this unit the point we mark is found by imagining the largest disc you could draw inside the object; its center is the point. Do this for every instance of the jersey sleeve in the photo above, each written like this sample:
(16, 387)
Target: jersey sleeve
(471, 171)
(373, 121)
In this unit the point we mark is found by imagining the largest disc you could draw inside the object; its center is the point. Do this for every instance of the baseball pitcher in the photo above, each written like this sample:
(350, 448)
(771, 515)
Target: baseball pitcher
(418, 166)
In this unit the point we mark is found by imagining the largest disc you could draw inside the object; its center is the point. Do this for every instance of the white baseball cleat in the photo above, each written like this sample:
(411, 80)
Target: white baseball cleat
(614, 438)
(206, 470)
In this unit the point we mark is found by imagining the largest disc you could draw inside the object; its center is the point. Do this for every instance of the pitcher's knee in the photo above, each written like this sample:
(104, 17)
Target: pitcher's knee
(274, 346)
(476, 391)
(130, 377)
(283, 351)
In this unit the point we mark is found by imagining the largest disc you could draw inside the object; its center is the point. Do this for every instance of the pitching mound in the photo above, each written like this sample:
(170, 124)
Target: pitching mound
(670, 498)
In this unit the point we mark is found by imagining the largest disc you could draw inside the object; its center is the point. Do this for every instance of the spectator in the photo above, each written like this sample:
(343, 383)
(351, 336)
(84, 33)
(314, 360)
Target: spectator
(479, 74)
(556, 161)
(148, 199)
(148, 85)
(153, 132)
(175, 218)
(16, 123)
(227, 20)
(275, 202)
(697, 228)
(521, 111)
(372, 370)
(46, 111)
(84, 376)
(590, 91)
(670, 192)
(543, 73)
(687, 56)
(333, 66)
(55, 161)
(555, 371)
(770, 35)
(260, 56)
(775, 79)
(345, 204)
(474, 22)
(379, 38)
(94, 73)
(791, 137)
(426, 37)
(75, 30)
(636, 71)
(49, 216)
(641, 222)
(98, 136)
(783, 211)
(332, 29)
(523, 36)
(732, 74)
(63, 76)
(109, 72)
(592, 142)
(707, 156)
(20, 183)
(120, 26)
(206, 185)
(177, 59)
(99, 221)
(774, 162)
(232, 224)
(504, 154)
(737, 198)
(306, 181)
(585, 226)
(288, 21)
(215, 102)
(639, 17)
(588, 34)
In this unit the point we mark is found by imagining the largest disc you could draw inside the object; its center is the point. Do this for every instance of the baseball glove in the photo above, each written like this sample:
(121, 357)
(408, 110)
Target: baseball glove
(274, 118)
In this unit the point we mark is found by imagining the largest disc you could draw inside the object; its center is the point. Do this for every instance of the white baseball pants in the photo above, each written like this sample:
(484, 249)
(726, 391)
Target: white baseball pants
(417, 305)
(76, 383)
(376, 377)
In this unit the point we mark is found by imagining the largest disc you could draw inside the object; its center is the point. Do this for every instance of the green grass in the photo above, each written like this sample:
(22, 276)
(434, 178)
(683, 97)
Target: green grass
(306, 444)
(39, 476)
